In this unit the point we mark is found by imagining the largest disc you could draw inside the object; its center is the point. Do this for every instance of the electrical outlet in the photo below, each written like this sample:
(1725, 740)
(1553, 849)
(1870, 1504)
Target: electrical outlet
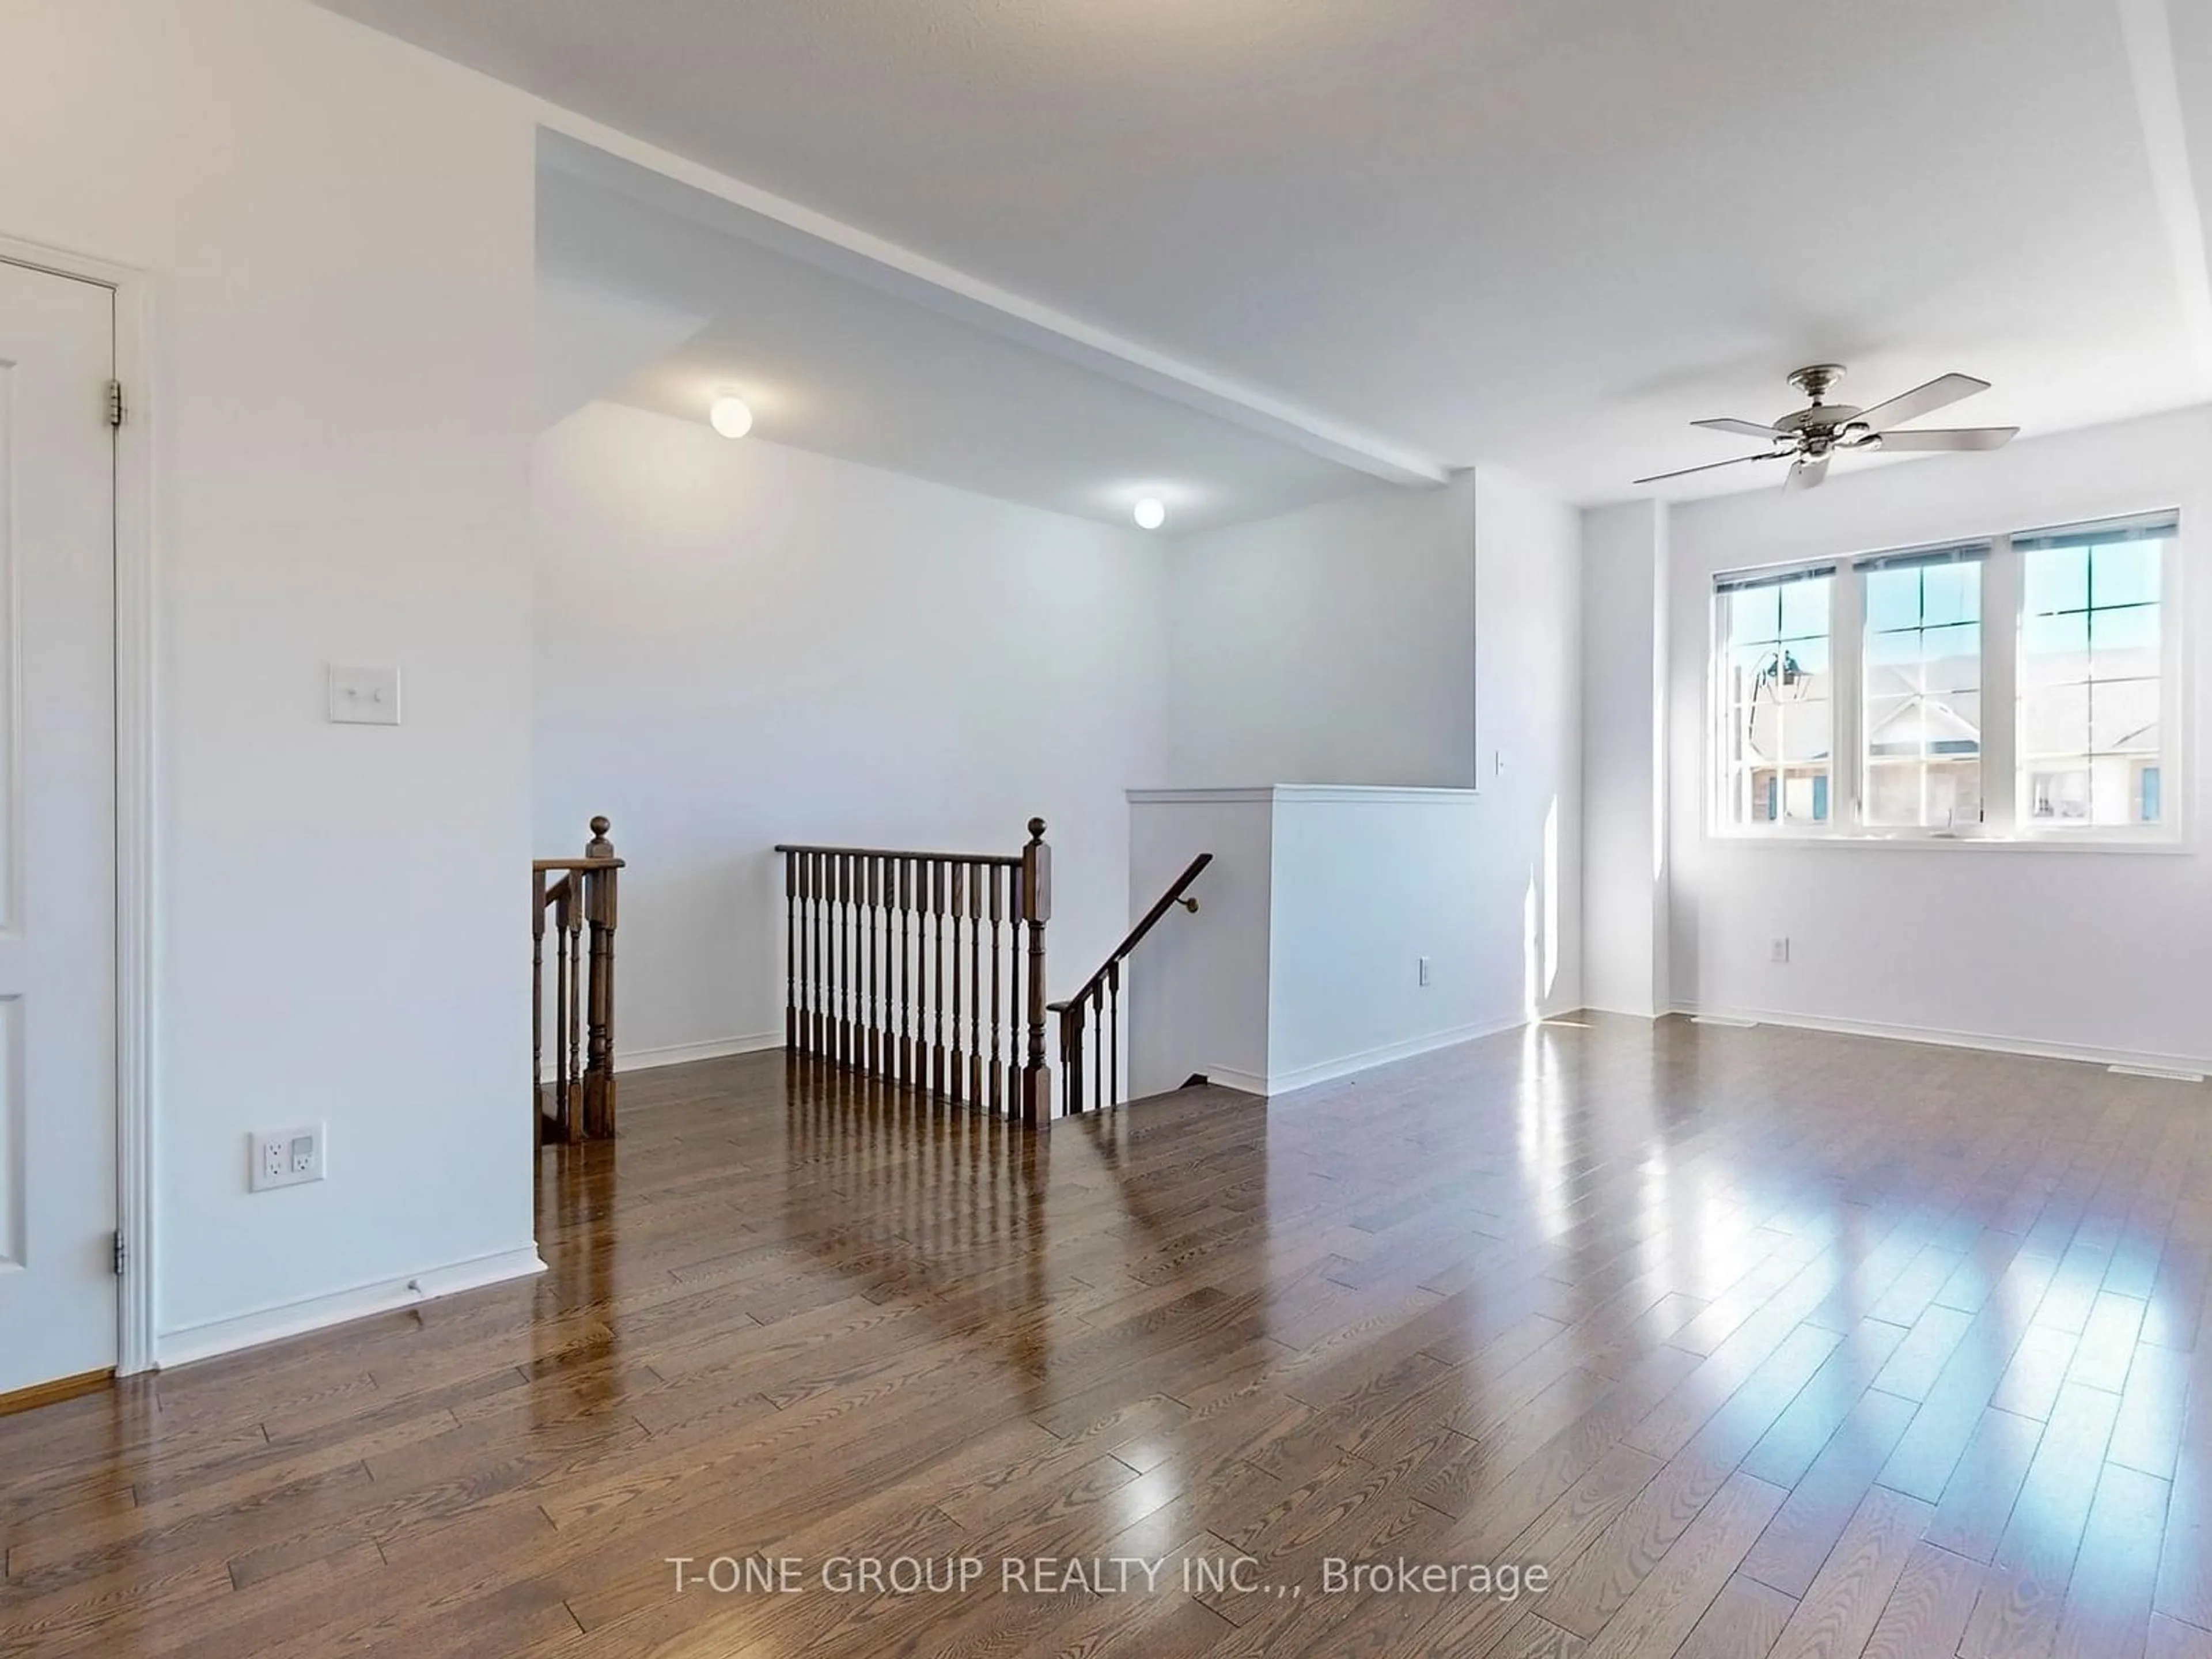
(1778, 953)
(285, 1157)
(1425, 970)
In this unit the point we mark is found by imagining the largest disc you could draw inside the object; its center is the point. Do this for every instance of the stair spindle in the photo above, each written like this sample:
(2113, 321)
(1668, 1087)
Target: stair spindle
(937, 960)
(790, 955)
(833, 898)
(956, 902)
(1071, 1054)
(848, 973)
(874, 981)
(997, 1074)
(906, 975)
(1015, 1002)
(810, 925)
(1113, 1034)
(560, 1006)
(976, 874)
(798, 868)
(572, 938)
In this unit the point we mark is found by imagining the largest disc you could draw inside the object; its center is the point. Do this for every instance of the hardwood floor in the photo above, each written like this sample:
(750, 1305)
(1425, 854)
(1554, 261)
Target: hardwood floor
(1753, 1342)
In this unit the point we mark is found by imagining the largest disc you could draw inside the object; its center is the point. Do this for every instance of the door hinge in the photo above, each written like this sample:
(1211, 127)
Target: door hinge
(119, 1255)
(115, 403)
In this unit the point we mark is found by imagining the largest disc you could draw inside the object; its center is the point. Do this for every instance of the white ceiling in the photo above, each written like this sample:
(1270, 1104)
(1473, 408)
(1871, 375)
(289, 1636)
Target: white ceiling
(1546, 233)
(660, 296)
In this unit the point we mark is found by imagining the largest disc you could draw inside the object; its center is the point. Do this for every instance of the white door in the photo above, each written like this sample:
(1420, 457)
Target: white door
(58, 1314)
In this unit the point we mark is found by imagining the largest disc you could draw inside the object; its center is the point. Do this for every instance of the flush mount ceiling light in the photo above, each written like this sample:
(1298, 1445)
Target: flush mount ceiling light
(1150, 514)
(730, 417)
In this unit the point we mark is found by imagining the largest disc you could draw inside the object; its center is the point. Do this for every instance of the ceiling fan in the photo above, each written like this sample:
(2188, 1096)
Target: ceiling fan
(1810, 438)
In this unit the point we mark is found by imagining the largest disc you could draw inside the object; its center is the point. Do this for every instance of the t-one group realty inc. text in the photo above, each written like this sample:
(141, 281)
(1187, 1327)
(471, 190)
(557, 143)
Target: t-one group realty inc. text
(1103, 1574)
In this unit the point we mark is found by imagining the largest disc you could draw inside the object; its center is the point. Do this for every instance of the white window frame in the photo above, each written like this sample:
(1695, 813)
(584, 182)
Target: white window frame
(2003, 617)
(1843, 721)
(2000, 579)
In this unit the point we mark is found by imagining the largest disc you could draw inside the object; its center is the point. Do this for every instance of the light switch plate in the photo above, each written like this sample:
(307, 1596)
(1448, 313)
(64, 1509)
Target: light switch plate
(364, 696)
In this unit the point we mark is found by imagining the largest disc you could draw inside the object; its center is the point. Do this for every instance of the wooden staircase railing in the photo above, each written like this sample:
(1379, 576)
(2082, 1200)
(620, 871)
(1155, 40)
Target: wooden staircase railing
(580, 894)
(1098, 1005)
(890, 955)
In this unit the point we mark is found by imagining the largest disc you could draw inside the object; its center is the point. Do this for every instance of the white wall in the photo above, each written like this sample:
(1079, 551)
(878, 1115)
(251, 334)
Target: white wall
(338, 231)
(1529, 702)
(1366, 883)
(1474, 655)
(1197, 989)
(2098, 951)
(739, 644)
(1332, 645)
(1624, 608)
(1303, 960)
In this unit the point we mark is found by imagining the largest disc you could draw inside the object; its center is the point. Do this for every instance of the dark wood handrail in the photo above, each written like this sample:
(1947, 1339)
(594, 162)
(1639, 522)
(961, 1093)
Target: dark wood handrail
(546, 866)
(1098, 1005)
(1167, 902)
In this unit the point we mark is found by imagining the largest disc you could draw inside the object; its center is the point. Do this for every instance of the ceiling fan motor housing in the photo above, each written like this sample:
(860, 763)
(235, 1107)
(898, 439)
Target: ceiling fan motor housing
(1820, 428)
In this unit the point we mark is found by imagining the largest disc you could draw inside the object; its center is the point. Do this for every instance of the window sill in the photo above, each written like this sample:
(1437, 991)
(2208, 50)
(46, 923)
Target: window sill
(2165, 846)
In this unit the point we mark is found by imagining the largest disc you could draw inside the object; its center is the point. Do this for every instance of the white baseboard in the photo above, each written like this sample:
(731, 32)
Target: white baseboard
(218, 1336)
(681, 1054)
(1328, 1071)
(1229, 1078)
(1945, 1038)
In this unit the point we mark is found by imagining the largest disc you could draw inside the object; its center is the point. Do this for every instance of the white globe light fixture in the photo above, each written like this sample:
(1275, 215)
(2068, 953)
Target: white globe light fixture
(1150, 514)
(730, 417)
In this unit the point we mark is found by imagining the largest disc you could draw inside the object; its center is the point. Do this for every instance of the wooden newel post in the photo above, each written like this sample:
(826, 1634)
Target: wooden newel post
(599, 907)
(1036, 910)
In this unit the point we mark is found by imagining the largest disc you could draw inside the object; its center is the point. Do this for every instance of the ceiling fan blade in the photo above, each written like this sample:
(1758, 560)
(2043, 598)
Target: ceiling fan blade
(1921, 400)
(1808, 474)
(1744, 428)
(1661, 478)
(1952, 437)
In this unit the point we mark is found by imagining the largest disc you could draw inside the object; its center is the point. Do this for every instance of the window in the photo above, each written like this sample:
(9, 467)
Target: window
(2091, 644)
(1923, 679)
(1777, 703)
(2018, 687)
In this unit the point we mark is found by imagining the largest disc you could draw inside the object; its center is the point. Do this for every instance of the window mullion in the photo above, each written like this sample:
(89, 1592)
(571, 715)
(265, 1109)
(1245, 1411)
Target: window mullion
(2002, 597)
(1846, 651)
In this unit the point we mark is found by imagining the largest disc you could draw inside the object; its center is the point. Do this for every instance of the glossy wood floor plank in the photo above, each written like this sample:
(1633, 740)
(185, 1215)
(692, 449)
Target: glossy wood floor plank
(1757, 1342)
